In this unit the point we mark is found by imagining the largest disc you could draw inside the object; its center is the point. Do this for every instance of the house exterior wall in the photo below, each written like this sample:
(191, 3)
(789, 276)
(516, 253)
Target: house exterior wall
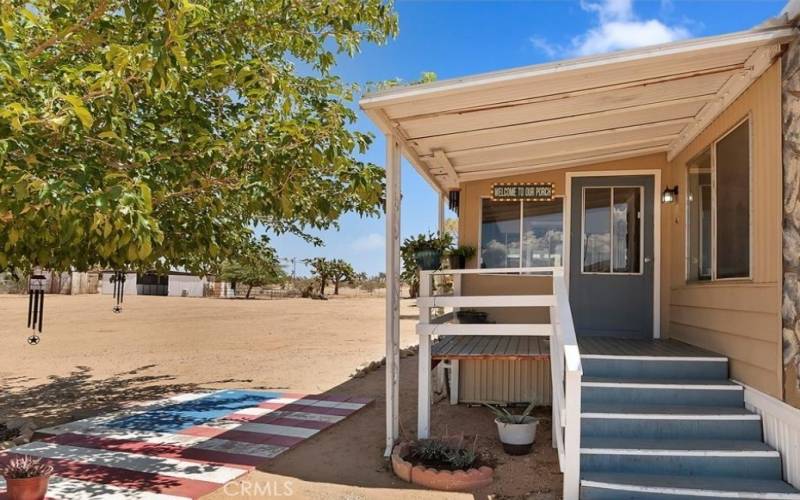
(107, 288)
(507, 381)
(737, 318)
(470, 216)
(740, 319)
(791, 226)
(193, 286)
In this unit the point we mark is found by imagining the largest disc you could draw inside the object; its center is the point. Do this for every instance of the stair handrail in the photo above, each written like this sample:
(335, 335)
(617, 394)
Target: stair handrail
(566, 375)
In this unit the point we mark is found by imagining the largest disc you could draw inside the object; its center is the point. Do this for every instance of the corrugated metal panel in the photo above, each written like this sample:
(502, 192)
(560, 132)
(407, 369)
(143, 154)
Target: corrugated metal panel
(504, 381)
(781, 425)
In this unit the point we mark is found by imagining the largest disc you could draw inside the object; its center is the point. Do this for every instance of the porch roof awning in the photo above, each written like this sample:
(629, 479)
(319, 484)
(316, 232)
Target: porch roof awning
(579, 111)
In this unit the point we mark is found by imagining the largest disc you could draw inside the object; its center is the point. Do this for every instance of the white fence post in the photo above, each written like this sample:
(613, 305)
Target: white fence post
(424, 375)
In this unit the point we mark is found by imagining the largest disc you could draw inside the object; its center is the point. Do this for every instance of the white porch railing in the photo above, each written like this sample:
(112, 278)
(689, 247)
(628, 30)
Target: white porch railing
(565, 358)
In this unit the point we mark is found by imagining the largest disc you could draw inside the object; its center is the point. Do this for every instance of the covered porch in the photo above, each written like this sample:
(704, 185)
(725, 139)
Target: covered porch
(598, 133)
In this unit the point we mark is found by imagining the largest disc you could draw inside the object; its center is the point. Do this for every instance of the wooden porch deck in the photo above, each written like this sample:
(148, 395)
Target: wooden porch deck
(510, 347)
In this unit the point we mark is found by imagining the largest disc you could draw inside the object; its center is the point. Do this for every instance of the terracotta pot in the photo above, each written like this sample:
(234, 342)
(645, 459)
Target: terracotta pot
(32, 488)
(438, 479)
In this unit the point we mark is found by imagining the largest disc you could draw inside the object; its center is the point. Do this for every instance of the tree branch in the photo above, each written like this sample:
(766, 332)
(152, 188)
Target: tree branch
(55, 39)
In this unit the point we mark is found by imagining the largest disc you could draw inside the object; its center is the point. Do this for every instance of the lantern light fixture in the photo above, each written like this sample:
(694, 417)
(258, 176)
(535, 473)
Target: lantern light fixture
(670, 195)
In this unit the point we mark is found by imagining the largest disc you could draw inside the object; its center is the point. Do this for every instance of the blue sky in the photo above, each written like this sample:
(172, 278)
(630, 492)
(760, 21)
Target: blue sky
(456, 38)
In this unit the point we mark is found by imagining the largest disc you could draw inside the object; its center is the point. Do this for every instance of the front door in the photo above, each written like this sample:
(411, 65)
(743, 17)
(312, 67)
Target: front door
(611, 256)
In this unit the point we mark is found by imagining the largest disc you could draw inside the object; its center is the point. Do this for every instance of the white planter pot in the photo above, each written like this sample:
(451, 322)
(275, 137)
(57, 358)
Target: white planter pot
(517, 439)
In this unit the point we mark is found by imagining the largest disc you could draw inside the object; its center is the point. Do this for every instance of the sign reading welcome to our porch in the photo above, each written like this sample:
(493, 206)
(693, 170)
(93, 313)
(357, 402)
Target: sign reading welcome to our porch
(523, 191)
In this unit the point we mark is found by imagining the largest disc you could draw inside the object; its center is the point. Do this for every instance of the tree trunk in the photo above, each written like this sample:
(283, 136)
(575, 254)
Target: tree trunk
(336, 288)
(247, 295)
(322, 280)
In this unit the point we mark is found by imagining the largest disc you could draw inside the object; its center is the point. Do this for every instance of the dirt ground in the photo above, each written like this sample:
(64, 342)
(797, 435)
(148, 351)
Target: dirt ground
(91, 361)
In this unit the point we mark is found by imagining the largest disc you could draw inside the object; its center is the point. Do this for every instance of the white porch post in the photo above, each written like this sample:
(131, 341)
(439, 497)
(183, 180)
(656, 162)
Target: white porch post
(392, 292)
(424, 373)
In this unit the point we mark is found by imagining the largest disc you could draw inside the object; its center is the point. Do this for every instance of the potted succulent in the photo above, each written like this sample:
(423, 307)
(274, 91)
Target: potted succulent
(26, 478)
(517, 432)
(446, 463)
(460, 255)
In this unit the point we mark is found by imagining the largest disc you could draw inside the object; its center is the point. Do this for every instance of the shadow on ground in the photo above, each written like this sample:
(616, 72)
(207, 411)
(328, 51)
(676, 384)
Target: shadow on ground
(350, 454)
(79, 395)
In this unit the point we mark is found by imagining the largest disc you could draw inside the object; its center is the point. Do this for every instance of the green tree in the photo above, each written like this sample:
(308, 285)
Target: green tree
(321, 270)
(258, 267)
(342, 272)
(160, 133)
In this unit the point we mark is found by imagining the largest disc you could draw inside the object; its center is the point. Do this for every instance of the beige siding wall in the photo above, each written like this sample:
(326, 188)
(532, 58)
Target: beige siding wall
(740, 319)
(472, 192)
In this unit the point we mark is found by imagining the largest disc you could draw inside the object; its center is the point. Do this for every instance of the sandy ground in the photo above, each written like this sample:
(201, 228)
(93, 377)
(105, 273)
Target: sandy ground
(91, 360)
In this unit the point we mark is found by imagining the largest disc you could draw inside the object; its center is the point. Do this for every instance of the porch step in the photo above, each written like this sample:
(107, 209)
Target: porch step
(653, 421)
(698, 457)
(670, 391)
(618, 486)
(655, 367)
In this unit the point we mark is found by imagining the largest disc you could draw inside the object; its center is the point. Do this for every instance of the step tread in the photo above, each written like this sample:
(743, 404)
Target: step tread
(617, 443)
(707, 483)
(663, 381)
(618, 408)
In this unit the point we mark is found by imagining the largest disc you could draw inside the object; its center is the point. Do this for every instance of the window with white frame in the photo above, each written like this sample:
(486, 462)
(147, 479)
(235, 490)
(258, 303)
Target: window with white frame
(612, 230)
(521, 234)
(718, 209)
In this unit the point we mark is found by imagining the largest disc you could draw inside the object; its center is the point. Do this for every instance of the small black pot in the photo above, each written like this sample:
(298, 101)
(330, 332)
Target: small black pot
(428, 260)
(471, 317)
(458, 262)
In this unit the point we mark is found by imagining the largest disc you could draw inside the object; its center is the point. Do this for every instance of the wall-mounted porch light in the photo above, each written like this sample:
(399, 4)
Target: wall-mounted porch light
(670, 195)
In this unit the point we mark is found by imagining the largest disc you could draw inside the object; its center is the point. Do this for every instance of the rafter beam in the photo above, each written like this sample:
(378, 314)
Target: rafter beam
(555, 165)
(530, 160)
(559, 138)
(443, 162)
(755, 66)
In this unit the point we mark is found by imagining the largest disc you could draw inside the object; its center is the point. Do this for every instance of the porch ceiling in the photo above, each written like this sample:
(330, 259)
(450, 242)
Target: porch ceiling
(572, 112)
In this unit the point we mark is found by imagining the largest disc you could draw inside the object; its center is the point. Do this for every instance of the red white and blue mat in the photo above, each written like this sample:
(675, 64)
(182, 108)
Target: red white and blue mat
(183, 447)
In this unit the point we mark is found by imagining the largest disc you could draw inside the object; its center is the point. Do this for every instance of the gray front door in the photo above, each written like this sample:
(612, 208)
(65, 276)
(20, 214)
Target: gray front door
(611, 256)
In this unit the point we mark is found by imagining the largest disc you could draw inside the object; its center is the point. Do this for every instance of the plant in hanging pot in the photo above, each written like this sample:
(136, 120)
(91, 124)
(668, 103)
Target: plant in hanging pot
(460, 255)
(26, 478)
(427, 249)
(517, 432)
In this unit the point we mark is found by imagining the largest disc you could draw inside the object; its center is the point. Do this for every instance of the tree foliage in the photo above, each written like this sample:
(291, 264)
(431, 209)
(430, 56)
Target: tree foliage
(335, 271)
(159, 133)
(342, 272)
(259, 266)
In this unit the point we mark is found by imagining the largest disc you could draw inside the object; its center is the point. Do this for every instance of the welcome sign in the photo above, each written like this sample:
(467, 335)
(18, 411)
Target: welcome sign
(523, 191)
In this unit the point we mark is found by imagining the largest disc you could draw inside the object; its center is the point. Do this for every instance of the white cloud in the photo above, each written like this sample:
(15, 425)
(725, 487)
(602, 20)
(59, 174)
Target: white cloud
(368, 243)
(617, 28)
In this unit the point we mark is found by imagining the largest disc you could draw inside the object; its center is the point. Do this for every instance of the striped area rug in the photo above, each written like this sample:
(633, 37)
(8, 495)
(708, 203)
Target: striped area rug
(183, 447)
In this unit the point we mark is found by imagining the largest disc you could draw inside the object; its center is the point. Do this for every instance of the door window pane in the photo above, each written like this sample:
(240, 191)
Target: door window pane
(627, 227)
(698, 216)
(597, 230)
(542, 230)
(500, 227)
(733, 204)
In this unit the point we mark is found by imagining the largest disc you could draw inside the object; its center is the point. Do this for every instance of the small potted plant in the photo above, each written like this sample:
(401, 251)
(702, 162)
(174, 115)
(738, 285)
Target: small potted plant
(517, 432)
(471, 316)
(427, 249)
(459, 256)
(26, 478)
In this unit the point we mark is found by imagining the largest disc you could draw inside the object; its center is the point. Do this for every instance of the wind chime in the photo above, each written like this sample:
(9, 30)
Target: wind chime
(118, 278)
(36, 285)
